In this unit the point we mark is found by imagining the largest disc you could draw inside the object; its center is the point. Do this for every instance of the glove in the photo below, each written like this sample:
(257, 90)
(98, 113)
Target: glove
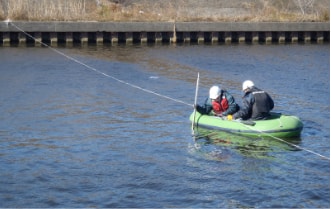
(229, 117)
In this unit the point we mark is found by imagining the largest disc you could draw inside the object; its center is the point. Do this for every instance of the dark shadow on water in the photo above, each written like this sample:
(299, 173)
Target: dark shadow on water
(259, 147)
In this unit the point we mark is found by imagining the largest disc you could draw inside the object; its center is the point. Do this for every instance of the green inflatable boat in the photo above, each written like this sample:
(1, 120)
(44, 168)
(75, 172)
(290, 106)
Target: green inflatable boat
(278, 125)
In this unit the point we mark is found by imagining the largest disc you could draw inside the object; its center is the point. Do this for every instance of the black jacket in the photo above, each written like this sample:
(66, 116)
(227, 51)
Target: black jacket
(256, 105)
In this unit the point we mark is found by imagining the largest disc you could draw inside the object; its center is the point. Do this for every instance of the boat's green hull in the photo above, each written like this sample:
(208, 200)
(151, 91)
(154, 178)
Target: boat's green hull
(278, 125)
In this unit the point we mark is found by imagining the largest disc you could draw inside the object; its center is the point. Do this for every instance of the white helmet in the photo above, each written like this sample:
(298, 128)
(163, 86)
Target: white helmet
(247, 84)
(214, 92)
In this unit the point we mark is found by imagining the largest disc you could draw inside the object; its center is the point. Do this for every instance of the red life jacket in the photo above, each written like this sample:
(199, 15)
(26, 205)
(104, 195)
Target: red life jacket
(220, 107)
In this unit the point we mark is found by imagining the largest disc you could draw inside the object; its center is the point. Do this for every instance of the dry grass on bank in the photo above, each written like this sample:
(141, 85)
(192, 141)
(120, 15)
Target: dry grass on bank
(167, 10)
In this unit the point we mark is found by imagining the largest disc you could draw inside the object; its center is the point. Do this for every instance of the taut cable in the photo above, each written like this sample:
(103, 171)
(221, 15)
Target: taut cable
(98, 71)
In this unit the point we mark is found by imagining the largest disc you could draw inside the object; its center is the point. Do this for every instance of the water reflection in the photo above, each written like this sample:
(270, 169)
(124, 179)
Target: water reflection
(258, 147)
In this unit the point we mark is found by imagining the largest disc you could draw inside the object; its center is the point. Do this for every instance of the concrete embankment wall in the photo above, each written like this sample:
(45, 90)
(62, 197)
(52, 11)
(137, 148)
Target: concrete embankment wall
(13, 33)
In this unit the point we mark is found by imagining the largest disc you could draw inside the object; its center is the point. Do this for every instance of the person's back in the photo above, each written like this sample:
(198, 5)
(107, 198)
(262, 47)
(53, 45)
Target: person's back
(262, 105)
(257, 103)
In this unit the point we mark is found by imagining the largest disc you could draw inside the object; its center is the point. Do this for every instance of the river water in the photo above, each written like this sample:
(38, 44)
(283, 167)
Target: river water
(109, 127)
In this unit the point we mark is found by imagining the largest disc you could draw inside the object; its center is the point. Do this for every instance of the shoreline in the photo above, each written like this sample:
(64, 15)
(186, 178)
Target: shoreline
(54, 32)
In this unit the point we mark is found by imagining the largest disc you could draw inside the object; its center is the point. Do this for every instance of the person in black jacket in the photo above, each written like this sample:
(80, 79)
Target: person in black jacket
(257, 103)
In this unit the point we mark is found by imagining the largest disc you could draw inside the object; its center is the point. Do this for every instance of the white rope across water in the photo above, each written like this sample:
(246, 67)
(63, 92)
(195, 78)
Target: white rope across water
(286, 142)
(149, 91)
(98, 71)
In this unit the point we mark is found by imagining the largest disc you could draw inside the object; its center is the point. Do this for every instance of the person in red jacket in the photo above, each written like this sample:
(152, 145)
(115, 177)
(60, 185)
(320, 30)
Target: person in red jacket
(219, 103)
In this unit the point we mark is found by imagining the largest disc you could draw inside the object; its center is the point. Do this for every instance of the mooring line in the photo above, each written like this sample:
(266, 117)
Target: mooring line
(279, 139)
(98, 71)
(286, 142)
